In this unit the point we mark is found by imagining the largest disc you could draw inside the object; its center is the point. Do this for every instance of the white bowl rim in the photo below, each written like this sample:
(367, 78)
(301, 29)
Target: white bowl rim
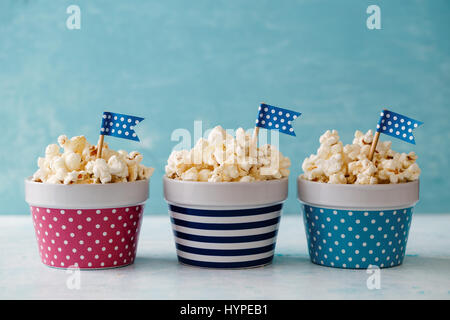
(225, 194)
(86, 196)
(355, 196)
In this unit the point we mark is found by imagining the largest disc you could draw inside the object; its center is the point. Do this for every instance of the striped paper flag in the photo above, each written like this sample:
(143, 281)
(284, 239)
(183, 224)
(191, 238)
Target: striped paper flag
(119, 125)
(270, 117)
(397, 125)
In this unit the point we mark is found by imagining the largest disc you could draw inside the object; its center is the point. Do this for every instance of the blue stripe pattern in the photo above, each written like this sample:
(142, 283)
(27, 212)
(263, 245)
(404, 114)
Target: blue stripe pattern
(227, 265)
(225, 213)
(216, 252)
(225, 226)
(258, 237)
(239, 238)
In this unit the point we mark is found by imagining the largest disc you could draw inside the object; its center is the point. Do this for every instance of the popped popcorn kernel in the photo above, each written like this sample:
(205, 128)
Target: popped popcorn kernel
(224, 158)
(78, 164)
(349, 164)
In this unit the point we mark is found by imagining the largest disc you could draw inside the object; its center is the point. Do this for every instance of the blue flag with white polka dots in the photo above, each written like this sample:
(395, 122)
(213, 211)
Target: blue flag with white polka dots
(119, 125)
(270, 117)
(397, 125)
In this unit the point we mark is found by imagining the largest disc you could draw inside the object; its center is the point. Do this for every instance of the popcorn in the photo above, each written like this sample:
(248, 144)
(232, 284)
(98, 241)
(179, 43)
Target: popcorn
(76, 144)
(364, 170)
(144, 173)
(190, 175)
(74, 177)
(338, 178)
(78, 164)
(338, 164)
(223, 158)
(52, 150)
(101, 170)
(72, 160)
(118, 167)
(204, 175)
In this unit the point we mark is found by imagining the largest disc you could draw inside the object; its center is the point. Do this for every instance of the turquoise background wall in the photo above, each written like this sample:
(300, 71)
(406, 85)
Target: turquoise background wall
(174, 62)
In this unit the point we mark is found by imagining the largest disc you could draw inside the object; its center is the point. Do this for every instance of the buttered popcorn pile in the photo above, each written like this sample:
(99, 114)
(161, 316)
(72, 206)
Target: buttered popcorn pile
(339, 164)
(223, 158)
(78, 164)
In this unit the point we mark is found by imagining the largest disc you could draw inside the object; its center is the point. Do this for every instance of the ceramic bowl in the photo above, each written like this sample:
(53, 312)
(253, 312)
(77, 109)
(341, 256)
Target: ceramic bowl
(225, 224)
(87, 226)
(355, 226)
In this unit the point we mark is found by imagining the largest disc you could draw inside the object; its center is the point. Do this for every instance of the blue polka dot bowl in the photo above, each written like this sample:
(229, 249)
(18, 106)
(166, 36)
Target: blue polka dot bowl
(357, 226)
(226, 225)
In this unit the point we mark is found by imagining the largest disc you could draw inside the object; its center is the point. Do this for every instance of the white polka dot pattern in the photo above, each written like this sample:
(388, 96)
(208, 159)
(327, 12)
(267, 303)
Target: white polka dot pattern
(397, 125)
(270, 117)
(356, 239)
(87, 238)
(119, 125)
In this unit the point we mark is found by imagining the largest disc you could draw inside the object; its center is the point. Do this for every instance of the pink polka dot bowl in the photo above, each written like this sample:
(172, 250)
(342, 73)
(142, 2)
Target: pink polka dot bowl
(87, 226)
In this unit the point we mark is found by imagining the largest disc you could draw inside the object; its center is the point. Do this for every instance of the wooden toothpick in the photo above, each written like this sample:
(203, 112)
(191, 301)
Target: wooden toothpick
(100, 146)
(374, 145)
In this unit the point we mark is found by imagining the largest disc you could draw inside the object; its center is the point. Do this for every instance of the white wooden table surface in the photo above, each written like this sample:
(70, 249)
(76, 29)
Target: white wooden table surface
(156, 274)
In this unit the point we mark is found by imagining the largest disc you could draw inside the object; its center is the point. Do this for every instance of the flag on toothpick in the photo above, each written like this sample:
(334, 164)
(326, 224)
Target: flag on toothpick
(270, 117)
(397, 125)
(117, 125)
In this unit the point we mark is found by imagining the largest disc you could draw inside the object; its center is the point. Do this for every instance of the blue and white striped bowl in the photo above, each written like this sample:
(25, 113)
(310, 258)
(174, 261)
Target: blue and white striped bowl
(354, 226)
(225, 225)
